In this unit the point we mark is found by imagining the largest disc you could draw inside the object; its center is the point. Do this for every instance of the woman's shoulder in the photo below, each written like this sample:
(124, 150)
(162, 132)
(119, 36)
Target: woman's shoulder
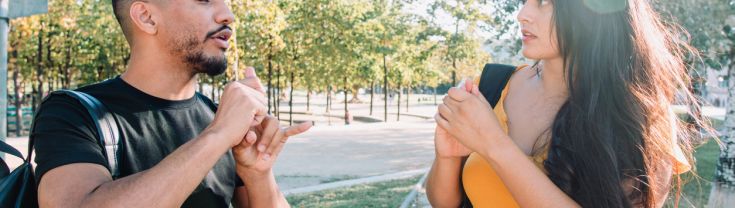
(517, 79)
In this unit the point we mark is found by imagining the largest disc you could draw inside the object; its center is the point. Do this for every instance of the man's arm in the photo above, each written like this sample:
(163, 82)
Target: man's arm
(167, 184)
(170, 182)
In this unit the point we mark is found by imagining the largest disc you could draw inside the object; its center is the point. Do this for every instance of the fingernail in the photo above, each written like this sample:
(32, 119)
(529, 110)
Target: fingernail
(461, 83)
(267, 157)
(261, 148)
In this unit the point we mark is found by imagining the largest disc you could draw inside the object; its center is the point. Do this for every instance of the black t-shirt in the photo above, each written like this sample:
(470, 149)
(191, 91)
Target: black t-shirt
(151, 129)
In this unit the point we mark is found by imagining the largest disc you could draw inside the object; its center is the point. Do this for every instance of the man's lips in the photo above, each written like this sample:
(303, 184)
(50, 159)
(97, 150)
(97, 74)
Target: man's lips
(224, 34)
(222, 37)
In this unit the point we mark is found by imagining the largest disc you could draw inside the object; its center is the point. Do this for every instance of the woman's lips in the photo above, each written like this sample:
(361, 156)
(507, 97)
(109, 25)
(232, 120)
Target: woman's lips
(527, 36)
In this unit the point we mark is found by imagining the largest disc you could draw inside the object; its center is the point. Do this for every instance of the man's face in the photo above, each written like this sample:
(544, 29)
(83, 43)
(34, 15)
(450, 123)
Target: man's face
(197, 31)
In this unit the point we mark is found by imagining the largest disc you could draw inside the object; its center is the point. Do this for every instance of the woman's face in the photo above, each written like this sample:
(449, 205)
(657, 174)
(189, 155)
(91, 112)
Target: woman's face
(539, 35)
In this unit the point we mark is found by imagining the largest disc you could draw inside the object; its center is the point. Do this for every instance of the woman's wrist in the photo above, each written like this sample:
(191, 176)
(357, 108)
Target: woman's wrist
(501, 147)
(447, 160)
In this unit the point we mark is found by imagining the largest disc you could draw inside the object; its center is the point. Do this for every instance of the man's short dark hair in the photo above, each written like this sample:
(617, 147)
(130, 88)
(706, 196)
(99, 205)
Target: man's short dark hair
(121, 9)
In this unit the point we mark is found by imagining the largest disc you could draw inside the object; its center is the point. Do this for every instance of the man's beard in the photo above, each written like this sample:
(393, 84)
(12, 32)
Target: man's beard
(211, 66)
(195, 58)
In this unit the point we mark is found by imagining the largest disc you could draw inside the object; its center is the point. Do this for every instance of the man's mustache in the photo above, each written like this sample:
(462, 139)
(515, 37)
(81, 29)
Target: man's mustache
(212, 33)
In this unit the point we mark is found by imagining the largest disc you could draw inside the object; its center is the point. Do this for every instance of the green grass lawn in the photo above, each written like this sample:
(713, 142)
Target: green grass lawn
(381, 194)
(392, 193)
(697, 189)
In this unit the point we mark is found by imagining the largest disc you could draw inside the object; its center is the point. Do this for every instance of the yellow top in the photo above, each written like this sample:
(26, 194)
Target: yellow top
(484, 187)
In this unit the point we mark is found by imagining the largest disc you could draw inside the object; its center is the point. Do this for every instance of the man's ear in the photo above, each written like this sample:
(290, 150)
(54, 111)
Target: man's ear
(141, 15)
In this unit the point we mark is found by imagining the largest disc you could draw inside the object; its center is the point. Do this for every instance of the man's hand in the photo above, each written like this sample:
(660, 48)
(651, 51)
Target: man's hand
(251, 80)
(250, 161)
(241, 107)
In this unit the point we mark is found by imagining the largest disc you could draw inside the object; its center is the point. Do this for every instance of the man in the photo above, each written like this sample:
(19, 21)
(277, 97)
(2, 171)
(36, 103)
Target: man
(176, 151)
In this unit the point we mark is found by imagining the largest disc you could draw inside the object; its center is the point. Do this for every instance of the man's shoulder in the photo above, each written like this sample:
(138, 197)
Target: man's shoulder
(100, 88)
(56, 103)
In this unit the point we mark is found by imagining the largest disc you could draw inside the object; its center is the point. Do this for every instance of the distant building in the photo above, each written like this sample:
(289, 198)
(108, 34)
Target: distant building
(715, 92)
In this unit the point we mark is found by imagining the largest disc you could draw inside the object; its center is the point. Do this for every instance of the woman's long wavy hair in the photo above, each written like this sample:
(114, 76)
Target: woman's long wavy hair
(624, 68)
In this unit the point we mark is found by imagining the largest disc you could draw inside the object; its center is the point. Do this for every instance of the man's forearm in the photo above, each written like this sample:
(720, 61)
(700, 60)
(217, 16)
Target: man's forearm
(263, 190)
(167, 184)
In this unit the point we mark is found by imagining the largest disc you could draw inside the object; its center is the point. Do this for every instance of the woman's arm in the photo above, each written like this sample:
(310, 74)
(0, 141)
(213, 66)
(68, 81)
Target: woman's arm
(529, 186)
(443, 184)
(469, 118)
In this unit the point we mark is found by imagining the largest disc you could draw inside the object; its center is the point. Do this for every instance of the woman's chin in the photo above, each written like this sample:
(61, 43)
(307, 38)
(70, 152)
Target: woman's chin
(529, 54)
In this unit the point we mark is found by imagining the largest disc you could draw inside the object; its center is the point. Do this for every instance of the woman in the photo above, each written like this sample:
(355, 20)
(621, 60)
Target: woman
(590, 124)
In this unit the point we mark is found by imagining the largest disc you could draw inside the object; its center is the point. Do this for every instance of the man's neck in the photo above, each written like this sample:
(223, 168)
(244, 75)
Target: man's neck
(160, 76)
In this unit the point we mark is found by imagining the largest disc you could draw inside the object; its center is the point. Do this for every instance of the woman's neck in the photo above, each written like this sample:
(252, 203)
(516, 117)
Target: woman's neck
(553, 77)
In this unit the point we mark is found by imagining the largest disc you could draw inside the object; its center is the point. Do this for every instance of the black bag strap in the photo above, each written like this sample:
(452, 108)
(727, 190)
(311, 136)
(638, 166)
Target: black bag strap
(106, 126)
(6, 148)
(493, 80)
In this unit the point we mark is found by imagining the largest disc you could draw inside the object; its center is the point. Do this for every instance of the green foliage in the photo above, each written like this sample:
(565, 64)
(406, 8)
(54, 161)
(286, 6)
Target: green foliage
(323, 42)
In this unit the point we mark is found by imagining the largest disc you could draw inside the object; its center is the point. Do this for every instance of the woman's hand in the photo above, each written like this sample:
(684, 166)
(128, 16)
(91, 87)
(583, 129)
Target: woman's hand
(447, 146)
(469, 118)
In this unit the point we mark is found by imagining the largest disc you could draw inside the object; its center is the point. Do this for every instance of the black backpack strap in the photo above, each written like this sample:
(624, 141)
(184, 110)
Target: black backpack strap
(493, 80)
(106, 127)
(6, 148)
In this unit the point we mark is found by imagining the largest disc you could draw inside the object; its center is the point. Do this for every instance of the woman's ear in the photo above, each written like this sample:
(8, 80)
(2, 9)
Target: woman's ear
(142, 17)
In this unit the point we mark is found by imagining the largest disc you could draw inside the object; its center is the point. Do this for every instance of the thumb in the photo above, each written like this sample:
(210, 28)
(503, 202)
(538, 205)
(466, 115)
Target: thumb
(250, 73)
(475, 90)
(468, 84)
(478, 94)
(251, 80)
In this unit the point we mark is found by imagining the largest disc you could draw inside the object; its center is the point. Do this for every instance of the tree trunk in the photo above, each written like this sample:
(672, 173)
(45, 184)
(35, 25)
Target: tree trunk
(290, 101)
(435, 96)
(278, 92)
(329, 101)
(372, 92)
(201, 86)
(347, 112)
(16, 97)
(308, 99)
(329, 94)
(236, 65)
(39, 71)
(37, 94)
(723, 187)
(454, 73)
(219, 91)
(454, 57)
(270, 83)
(385, 88)
(214, 98)
(408, 97)
(400, 92)
(66, 82)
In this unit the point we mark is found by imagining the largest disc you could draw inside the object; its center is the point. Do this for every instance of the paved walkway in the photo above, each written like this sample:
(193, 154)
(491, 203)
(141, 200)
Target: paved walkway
(333, 153)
